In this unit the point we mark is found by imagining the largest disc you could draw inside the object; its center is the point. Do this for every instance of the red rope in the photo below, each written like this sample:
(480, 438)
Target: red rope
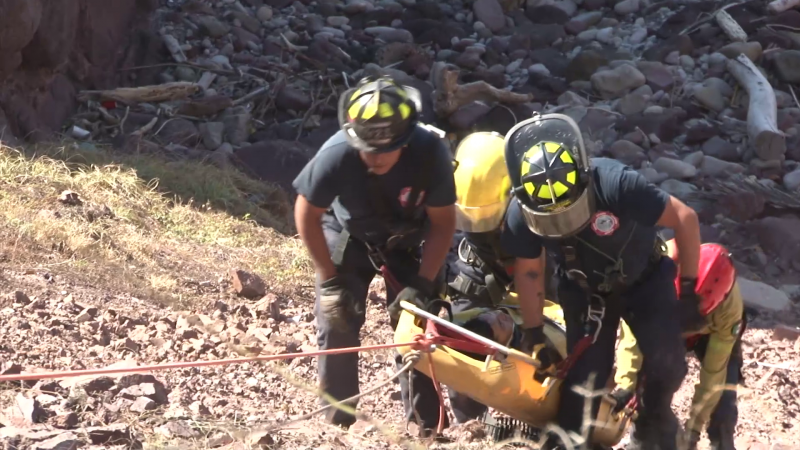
(419, 343)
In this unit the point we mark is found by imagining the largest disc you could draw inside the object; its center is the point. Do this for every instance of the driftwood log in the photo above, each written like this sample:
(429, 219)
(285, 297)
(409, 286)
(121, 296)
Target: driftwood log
(779, 6)
(731, 27)
(762, 129)
(143, 94)
(449, 96)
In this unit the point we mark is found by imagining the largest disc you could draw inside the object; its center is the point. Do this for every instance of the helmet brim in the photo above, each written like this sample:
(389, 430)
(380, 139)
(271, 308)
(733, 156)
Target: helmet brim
(359, 144)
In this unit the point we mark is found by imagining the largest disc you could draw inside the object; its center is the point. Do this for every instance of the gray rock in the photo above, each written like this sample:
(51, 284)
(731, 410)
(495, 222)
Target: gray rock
(490, 13)
(638, 36)
(237, 124)
(571, 98)
(791, 181)
(583, 21)
(679, 189)
(390, 34)
(539, 69)
(627, 153)
(762, 295)
(626, 7)
(751, 49)
(687, 62)
(710, 97)
(615, 82)
(787, 64)
(714, 167)
(264, 13)
(675, 168)
(211, 133)
(721, 149)
(694, 158)
(653, 110)
(212, 27)
(337, 21)
(632, 103)
(568, 6)
(184, 73)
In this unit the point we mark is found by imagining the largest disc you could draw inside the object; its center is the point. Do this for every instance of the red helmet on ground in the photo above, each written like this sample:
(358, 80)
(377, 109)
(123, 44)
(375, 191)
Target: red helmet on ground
(715, 274)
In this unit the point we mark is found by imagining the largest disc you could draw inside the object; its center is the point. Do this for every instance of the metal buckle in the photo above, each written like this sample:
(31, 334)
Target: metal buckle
(595, 315)
(465, 252)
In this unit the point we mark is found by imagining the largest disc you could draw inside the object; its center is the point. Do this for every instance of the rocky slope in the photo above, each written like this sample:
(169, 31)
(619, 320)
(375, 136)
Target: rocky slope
(255, 83)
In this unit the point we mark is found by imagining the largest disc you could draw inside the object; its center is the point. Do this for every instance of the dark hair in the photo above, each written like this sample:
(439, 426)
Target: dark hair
(482, 328)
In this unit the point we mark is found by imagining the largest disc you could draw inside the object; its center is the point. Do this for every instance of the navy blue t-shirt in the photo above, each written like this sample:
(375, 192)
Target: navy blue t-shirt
(628, 207)
(337, 177)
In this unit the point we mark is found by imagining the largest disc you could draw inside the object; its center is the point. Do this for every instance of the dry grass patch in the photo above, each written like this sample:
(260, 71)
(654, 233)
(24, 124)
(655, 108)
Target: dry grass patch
(145, 225)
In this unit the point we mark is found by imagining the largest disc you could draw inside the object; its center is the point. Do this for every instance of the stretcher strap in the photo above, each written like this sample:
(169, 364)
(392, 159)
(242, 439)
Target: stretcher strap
(447, 337)
(565, 365)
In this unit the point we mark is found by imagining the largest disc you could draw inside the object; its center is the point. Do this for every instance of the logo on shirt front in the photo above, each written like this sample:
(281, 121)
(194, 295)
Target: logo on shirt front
(604, 223)
(406, 192)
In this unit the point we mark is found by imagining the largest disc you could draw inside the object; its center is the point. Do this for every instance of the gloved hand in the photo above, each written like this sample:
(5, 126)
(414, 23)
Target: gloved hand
(622, 397)
(419, 291)
(533, 341)
(338, 305)
(689, 307)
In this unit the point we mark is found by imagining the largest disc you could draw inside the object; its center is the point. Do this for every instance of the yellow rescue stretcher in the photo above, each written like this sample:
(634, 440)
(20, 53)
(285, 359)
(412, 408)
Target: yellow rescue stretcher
(507, 381)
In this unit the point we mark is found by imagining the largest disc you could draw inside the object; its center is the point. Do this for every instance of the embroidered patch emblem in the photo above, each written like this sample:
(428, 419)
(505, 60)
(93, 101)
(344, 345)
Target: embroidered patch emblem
(604, 223)
(405, 192)
(736, 328)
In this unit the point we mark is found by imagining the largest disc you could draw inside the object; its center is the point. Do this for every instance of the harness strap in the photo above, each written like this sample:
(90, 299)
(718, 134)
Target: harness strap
(596, 303)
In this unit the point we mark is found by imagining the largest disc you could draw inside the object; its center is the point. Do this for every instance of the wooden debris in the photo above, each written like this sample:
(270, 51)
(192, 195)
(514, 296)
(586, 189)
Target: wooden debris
(143, 94)
(174, 48)
(762, 127)
(779, 6)
(449, 96)
(731, 27)
(207, 106)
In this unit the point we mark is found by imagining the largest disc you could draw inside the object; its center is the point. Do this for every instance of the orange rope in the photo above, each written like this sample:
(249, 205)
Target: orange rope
(419, 343)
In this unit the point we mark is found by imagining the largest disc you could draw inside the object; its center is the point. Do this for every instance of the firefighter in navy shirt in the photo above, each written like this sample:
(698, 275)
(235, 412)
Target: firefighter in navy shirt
(599, 220)
(365, 202)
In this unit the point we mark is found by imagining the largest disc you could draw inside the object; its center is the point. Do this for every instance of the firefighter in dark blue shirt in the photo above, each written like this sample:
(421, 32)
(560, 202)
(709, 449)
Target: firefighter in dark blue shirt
(365, 203)
(599, 219)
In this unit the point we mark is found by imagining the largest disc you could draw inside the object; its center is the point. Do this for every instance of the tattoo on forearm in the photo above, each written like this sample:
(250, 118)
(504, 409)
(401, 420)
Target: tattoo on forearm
(532, 274)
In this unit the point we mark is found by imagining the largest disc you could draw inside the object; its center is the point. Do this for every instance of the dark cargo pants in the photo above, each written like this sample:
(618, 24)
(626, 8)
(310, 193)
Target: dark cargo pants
(338, 374)
(722, 425)
(650, 308)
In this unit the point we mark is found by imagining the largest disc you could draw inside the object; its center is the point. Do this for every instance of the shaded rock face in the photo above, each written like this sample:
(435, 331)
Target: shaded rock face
(51, 49)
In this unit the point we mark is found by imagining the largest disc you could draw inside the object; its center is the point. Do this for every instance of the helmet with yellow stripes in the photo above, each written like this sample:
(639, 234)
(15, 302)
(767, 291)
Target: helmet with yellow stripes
(550, 175)
(379, 115)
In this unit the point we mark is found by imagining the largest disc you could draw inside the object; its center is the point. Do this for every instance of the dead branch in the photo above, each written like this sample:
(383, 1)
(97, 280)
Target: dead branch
(731, 27)
(779, 6)
(449, 96)
(762, 127)
(143, 94)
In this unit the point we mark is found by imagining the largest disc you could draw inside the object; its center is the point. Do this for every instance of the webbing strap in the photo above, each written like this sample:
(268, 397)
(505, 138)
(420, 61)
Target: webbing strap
(448, 338)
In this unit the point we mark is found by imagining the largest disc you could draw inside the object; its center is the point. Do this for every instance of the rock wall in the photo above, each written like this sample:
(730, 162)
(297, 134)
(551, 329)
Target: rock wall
(50, 49)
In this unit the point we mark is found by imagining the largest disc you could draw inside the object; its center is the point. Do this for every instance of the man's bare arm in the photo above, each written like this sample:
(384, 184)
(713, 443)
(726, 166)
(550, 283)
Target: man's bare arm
(529, 282)
(683, 219)
(438, 241)
(308, 219)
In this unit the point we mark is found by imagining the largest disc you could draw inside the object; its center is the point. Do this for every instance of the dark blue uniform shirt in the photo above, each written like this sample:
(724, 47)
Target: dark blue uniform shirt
(337, 177)
(623, 227)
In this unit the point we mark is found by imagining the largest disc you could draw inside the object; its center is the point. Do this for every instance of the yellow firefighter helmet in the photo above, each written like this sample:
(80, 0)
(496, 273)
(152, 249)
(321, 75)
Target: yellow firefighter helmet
(483, 186)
